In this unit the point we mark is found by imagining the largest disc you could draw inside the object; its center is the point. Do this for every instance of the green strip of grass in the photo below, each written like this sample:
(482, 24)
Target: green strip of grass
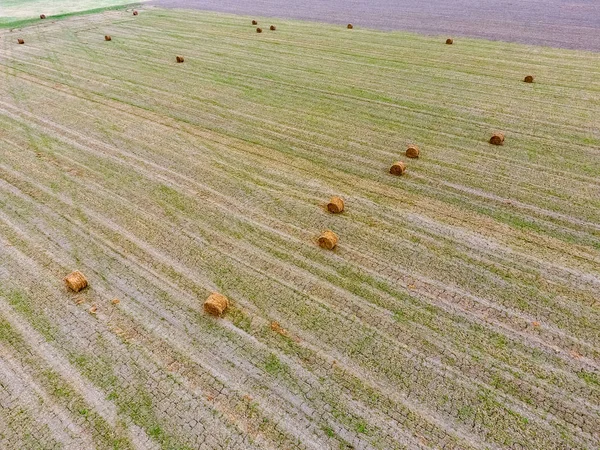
(11, 22)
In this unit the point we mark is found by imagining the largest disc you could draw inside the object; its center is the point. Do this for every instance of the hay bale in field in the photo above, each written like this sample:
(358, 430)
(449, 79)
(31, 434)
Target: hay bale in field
(107, 38)
(335, 205)
(42, 16)
(449, 41)
(20, 41)
(350, 26)
(216, 304)
(259, 30)
(135, 13)
(497, 139)
(179, 59)
(115, 301)
(412, 151)
(254, 22)
(76, 281)
(528, 79)
(328, 240)
(398, 168)
(272, 28)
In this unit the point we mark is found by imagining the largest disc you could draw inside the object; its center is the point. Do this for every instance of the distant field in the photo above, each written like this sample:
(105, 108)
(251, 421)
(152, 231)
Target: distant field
(555, 23)
(17, 10)
(459, 311)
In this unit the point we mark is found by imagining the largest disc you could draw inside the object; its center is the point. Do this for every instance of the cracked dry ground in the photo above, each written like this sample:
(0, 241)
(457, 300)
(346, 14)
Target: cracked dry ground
(460, 309)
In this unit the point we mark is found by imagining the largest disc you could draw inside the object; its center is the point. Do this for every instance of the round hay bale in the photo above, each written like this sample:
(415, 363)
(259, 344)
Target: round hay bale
(259, 30)
(449, 41)
(412, 151)
(398, 168)
(135, 13)
(107, 38)
(335, 205)
(528, 79)
(215, 304)
(497, 139)
(42, 16)
(76, 281)
(350, 26)
(328, 240)
(20, 41)
(179, 59)
(254, 22)
(272, 28)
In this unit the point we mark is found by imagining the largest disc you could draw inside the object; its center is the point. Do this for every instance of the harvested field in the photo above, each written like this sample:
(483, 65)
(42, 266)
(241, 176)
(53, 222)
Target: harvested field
(555, 23)
(21, 10)
(459, 310)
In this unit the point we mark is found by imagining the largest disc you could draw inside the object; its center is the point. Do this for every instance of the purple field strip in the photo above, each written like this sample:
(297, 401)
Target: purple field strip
(555, 23)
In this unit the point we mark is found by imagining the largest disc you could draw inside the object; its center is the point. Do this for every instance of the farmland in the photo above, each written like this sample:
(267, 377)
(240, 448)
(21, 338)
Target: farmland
(14, 11)
(460, 308)
(555, 23)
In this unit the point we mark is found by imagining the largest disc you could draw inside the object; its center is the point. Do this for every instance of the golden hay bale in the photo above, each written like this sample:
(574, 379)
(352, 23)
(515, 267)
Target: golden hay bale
(254, 22)
(259, 30)
(335, 205)
(215, 304)
(528, 79)
(115, 301)
(135, 13)
(76, 281)
(449, 41)
(398, 168)
(328, 240)
(93, 309)
(350, 26)
(179, 59)
(107, 38)
(497, 139)
(42, 16)
(20, 41)
(412, 151)
(272, 28)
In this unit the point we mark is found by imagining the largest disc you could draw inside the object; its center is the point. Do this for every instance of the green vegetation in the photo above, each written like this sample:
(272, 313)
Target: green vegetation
(273, 365)
(459, 308)
(19, 13)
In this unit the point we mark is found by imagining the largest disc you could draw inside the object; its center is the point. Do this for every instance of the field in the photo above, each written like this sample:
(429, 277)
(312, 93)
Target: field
(14, 11)
(460, 309)
(556, 23)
